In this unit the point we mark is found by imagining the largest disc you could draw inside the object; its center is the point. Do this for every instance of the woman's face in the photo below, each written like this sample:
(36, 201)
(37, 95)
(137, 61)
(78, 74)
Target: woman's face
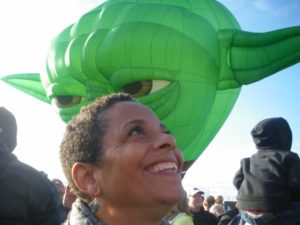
(141, 163)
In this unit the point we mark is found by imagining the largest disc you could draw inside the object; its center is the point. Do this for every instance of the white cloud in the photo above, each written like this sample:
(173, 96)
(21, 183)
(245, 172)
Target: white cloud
(277, 8)
(263, 5)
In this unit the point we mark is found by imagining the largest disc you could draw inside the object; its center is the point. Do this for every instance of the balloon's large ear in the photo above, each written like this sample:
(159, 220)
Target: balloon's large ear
(249, 57)
(30, 83)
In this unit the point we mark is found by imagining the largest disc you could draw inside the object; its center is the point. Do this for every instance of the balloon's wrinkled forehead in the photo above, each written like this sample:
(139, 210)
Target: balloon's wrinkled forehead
(153, 34)
(209, 10)
(161, 23)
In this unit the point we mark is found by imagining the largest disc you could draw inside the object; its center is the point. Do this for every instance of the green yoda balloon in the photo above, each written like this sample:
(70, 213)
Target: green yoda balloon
(185, 59)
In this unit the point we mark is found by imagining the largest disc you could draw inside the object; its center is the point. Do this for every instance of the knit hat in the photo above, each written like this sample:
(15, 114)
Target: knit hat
(8, 129)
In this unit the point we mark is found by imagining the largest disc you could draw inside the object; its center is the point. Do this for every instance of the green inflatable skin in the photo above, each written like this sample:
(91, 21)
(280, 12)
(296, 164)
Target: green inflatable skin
(185, 59)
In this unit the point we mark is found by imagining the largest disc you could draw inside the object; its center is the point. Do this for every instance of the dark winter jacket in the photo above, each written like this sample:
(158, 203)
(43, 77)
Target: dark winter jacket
(204, 217)
(27, 197)
(270, 179)
(228, 216)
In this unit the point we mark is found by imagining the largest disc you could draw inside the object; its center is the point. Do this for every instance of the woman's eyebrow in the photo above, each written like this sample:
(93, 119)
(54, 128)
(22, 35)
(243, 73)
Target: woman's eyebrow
(141, 122)
(135, 122)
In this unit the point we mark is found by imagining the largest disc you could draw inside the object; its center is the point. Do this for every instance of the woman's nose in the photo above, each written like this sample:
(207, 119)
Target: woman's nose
(165, 142)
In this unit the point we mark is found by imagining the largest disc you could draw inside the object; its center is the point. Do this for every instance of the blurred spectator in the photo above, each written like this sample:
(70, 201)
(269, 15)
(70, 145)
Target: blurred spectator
(208, 202)
(218, 210)
(59, 186)
(195, 202)
(27, 196)
(219, 199)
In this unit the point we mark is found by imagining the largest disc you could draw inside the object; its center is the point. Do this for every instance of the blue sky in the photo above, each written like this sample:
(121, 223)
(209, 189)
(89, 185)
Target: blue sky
(274, 96)
(27, 28)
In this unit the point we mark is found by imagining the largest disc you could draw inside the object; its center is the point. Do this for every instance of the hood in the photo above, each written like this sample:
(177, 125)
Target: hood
(272, 133)
(8, 129)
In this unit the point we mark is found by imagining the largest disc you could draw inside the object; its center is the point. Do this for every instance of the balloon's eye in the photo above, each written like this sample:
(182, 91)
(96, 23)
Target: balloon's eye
(138, 89)
(66, 101)
(144, 87)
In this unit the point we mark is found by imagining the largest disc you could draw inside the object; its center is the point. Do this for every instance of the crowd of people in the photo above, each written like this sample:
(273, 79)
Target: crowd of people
(125, 168)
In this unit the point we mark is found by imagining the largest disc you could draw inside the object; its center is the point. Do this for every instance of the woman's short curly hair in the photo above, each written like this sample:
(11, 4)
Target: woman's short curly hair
(82, 141)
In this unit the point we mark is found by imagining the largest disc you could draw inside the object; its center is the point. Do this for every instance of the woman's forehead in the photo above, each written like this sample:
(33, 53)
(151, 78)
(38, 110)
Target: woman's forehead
(126, 109)
(124, 112)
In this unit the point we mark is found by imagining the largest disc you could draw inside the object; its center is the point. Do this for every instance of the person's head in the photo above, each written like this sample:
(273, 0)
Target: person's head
(219, 199)
(8, 129)
(208, 202)
(117, 151)
(217, 209)
(195, 199)
(272, 133)
(59, 186)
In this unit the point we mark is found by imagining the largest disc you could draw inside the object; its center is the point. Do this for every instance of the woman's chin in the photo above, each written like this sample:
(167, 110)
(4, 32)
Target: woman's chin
(173, 196)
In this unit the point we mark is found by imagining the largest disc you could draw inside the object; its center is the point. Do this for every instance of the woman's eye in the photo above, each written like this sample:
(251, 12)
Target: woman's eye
(66, 101)
(136, 131)
(144, 87)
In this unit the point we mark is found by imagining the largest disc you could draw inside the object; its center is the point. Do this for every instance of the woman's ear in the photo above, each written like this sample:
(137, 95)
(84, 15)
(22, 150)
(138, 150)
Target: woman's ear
(83, 177)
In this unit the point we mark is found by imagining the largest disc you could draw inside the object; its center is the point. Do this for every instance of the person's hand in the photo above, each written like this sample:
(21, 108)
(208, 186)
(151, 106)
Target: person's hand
(69, 198)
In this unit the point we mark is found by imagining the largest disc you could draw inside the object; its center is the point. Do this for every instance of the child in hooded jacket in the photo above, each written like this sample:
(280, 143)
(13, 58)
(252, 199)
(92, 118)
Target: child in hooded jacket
(268, 182)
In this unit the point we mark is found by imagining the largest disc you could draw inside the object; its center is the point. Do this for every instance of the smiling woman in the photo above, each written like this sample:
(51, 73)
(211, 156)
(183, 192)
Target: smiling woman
(116, 153)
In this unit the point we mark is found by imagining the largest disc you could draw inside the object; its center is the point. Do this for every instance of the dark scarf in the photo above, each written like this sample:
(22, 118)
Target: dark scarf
(82, 214)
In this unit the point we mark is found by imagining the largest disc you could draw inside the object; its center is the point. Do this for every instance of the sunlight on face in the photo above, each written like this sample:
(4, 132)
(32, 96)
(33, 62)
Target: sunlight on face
(141, 161)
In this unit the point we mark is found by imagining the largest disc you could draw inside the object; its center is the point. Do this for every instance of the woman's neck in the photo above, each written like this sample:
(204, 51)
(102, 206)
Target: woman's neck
(130, 215)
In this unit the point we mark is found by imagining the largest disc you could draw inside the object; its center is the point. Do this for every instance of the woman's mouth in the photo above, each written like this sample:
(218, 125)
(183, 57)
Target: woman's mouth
(163, 167)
